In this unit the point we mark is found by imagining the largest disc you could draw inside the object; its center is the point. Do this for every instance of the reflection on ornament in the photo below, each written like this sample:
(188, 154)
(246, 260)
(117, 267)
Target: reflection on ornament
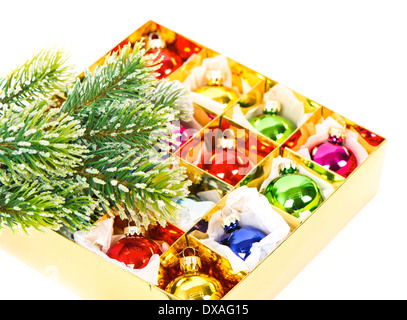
(168, 234)
(226, 161)
(293, 192)
(249, 99)
(239, 239)
(170, 60)
(193, 284)
(333, 155)
(216, 91)
(133, 250)
(271, 124)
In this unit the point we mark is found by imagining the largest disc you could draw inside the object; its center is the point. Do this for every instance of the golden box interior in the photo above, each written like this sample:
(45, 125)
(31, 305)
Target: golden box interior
(306, 237)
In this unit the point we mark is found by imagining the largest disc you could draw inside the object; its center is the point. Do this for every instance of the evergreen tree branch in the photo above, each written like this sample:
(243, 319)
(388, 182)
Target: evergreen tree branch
(124, 75)
(37, 142)
(139, 186)
(44, 75)
(45, 206)
(128, 134)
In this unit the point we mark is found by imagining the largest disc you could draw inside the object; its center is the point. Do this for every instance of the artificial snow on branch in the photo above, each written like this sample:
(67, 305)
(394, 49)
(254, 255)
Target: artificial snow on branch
(106, 149)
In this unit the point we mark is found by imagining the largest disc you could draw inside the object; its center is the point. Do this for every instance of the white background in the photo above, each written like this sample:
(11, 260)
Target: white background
(347, 55)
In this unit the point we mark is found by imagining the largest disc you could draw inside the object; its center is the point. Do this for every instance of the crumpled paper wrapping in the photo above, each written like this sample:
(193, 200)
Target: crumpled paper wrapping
(255, 211)
(101, 238)
(193, 211)
(321, 135)
(197, 77)
(325, 187)
(291, 107)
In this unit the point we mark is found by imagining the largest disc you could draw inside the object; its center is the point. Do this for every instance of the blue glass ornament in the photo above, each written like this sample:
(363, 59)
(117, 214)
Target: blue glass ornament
(239, 238)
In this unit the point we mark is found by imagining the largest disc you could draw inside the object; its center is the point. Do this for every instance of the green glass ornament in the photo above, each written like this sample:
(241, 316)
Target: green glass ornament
(293, 192)
(271, 124)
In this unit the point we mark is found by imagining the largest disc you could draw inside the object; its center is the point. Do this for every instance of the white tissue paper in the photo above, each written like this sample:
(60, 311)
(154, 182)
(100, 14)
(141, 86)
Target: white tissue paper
(101, 238)
(321, 135)
(326, 188)
(254, 210)
(193, 210)
(291, 107)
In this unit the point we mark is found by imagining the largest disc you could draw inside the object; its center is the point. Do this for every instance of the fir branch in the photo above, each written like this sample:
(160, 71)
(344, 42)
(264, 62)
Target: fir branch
(128, 116)
(45, 206)
(142, 126)
(140, 187)
(172, 94)
(106, 149)
(124, 75)
(44, 75)
(37, 142)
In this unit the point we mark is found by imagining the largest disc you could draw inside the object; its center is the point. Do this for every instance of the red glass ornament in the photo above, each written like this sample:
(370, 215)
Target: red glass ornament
(170, 60)
(168, 234)
(185, 48)
(332, 155)
(226, 162)
(134, 251)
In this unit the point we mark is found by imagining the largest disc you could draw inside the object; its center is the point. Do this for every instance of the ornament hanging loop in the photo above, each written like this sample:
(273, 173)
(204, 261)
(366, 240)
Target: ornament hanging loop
(191, 248)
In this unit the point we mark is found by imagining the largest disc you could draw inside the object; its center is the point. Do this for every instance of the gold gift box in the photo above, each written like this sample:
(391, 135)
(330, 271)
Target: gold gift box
(92, 277)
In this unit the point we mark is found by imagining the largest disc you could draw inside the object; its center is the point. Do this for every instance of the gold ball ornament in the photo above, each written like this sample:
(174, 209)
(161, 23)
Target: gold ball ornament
(193, 284)
(215, 89)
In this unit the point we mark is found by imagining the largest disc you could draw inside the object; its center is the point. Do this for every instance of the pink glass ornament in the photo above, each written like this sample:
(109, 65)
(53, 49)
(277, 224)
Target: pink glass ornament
(333, 155)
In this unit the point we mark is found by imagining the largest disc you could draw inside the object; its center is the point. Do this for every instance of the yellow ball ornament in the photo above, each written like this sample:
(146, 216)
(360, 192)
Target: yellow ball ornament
(193, 284)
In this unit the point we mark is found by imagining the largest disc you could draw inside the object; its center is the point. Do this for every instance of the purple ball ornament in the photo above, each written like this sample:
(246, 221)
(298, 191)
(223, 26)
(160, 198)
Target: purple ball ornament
(333, 155)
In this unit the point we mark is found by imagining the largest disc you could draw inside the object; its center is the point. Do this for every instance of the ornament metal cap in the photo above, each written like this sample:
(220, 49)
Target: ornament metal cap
(131, 230)
(190, 263)
(271, 107)
(226, 143)
(287, 166)
(214, 77)
(196, 178)
(228, 217)
(155, 41)
(337, 132)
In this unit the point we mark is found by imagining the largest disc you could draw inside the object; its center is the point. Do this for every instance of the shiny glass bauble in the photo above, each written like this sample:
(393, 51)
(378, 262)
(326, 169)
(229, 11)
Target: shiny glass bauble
(220, 94)
(240, 239)
(273, 126)
(196, 286)
(294, 193)
(134, 251)
(335, 157)
(228, 165)
(168, 234)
